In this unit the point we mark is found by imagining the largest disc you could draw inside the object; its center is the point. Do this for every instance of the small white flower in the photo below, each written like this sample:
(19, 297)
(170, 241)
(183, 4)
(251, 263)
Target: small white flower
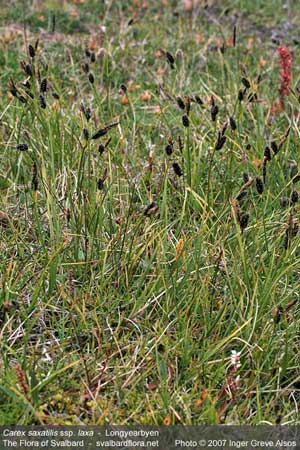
(235, 359)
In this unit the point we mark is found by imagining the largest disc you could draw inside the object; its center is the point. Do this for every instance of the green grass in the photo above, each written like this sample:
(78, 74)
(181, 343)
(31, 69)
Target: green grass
(112, 315)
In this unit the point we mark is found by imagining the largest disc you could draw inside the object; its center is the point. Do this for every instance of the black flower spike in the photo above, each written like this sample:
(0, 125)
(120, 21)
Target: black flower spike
(101, 149)
(12, 88)
(241, 94)
(274, 147)
(245, 82)
(93, 57)
(42, 102)
(91, 78)
(185, 121)
(246, 177)
(296, 178)
(86, 68)
(220, 142)
(87, 52)
(86, 134)
(198, 100)
(34, 180)
(240, 197)
(55, 95)
(180, 103)
(169, 149)
(43, 86)
(104, 130)
(232, 122)
(100, 184)
(170, 59)
(294, 196)
(31, 51)
(267, 154)
(244, 219)
(28, 69)
(259, 185)
(177, 169)
(214, 112)
(252, 97)
(22, 99)
(22, 147)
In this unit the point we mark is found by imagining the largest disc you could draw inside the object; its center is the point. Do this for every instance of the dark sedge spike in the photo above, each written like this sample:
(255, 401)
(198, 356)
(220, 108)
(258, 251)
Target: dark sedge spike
(86, 134)
(93, 57)
(55, 95)
(100, 184)
(296, 178)
(170, 59)
(180, 103)
(241, 94)
(185, 121)
(53, 24)
(241, 196)
(177, 169)
(246, 83)
(31, 51)
(220, 142)
(246, 177)
(232, 123)
(198, 100)
(214, 112)
(86, 68)
(180, 143)
(22, 99)
(43, 86)
(259, 185)
(22, 147)
(244, 219)
(234, 36)
(267, 154)
(101, 149)
(87, 52)
(188, 105)
(294, 196)
(91, 78)
(42, 102)
(274, 147)
(99, 133)
(264, 170)
(169, 149)
(34, 180)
